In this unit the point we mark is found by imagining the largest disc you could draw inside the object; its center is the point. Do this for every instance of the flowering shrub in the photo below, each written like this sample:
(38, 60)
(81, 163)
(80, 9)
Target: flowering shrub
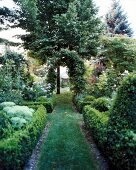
(19, 115)
(6, 104)
(17, 122)
(42, 89)
(19, 111)
(38, 89)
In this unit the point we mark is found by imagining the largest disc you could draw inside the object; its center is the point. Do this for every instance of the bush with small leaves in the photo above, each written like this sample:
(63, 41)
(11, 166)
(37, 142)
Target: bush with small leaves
(5, 126)
(42, 99)
(102, 104)
(17, 148)
(96, 122)
(121, 144)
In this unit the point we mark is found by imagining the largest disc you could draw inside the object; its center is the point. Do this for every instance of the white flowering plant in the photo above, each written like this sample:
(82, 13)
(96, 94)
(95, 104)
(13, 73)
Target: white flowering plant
(19, 115)
(6, 104)
(18, 122)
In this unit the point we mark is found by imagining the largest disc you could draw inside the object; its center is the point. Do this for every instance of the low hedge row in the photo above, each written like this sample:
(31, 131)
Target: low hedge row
(102, 104)
(48, 105)
(15, 150)
(97, 122)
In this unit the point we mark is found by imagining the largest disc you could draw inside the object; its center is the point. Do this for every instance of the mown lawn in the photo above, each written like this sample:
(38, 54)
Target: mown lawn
(65, 147)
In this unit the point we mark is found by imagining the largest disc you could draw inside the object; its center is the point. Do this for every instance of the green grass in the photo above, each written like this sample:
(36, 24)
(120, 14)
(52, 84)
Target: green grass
(65, 147)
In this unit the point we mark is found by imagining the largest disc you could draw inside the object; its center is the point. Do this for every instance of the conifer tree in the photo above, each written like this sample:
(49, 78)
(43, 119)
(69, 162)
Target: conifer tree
(116, 20)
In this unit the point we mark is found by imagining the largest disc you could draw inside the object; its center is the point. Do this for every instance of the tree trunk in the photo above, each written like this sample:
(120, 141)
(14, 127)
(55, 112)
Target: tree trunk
(58, 79)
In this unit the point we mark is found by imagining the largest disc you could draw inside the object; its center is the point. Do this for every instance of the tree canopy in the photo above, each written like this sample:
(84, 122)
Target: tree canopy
(59, 24)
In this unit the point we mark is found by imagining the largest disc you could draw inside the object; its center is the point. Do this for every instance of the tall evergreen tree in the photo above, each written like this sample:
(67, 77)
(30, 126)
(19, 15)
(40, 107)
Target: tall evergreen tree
(116, 20)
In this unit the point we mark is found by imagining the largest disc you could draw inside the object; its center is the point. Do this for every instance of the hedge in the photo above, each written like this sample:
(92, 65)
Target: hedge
(83, 101)
(15, 150)
(121, 144)
(48, 105)
(115, 133)
(102, 104)
(97, 122)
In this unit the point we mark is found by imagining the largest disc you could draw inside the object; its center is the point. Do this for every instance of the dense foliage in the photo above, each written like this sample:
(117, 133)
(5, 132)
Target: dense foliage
(115, 129)
(60, 24)
(71, 25)
(16, 149)
(14, 77)
(119, 52)
(97, 122)
(122, 126)
(75, 69)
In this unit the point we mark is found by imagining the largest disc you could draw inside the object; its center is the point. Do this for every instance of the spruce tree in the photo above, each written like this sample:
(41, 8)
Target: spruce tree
(116, 20)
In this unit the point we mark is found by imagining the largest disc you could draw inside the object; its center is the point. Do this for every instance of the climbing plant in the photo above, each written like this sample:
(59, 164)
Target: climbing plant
(75, 66)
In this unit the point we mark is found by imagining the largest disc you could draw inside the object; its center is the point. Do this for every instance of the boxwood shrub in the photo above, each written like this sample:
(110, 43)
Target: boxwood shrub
(16, 149)
(48, 105)
(80, 102)
(121, 143)
(96, 122)
(102, 104)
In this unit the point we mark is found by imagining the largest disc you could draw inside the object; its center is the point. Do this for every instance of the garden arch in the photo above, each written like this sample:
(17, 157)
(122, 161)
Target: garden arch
(75, 66)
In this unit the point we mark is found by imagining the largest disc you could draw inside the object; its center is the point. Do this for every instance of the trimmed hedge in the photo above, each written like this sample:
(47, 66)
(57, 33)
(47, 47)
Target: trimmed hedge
(97, 122)
(34, 105)
(102, 104)
(83, 101)
(15, 150)
(115, 133)
(122, 127)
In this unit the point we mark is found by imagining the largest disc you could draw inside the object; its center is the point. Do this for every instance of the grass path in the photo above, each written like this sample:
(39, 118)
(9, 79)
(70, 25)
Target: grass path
(65, 147)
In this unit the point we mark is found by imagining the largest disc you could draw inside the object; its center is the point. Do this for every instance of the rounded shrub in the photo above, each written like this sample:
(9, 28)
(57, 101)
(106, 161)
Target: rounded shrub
(102, 104)
(42, 99)
(121, 143)
(89, 98)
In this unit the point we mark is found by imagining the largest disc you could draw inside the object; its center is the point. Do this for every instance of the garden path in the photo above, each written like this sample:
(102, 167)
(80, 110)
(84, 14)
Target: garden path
(65, 147)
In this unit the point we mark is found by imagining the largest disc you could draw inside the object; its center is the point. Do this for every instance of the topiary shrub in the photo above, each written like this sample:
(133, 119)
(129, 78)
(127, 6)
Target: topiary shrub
(102, 104)
(89, 98)
(81, 100)
(121, 143)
